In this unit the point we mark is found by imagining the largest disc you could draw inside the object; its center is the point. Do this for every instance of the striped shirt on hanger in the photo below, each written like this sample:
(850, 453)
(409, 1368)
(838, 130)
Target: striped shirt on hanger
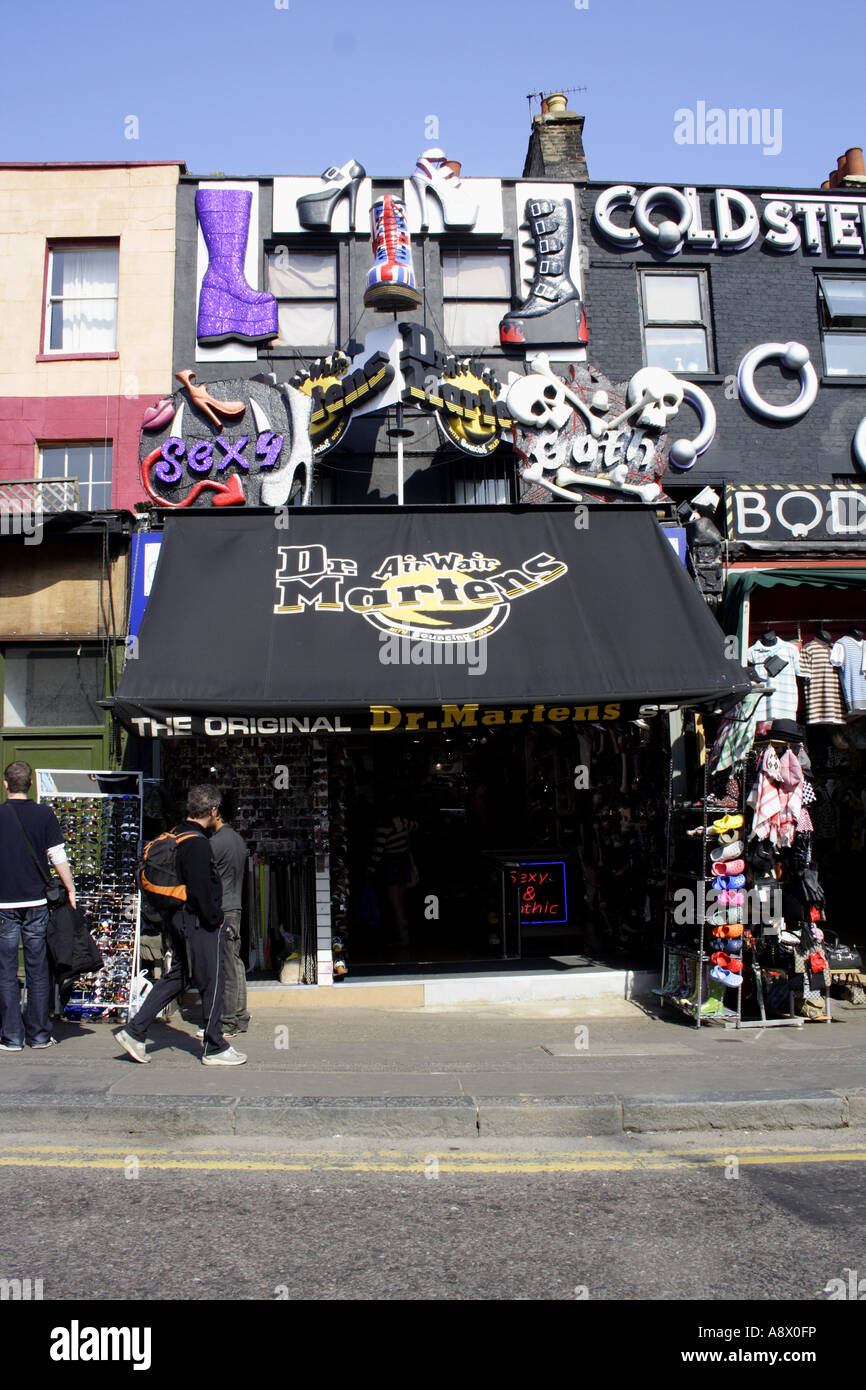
(393, 838)
(824, 693)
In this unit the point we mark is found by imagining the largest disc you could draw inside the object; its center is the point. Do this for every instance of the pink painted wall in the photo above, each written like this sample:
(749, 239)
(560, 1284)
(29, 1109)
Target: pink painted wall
(29, 421)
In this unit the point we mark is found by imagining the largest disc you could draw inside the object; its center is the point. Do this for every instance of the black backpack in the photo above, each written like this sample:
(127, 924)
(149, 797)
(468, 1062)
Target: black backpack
(158, 878)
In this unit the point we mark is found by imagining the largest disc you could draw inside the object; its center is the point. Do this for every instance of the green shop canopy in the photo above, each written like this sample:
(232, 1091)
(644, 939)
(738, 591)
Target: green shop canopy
(741, 582)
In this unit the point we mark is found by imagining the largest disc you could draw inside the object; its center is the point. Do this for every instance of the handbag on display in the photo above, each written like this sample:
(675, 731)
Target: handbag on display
(761, 859)
(56, 893)
(841, 956)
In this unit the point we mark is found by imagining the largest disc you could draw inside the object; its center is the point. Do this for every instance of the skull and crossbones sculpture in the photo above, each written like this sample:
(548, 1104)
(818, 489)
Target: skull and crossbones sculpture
(585, 434)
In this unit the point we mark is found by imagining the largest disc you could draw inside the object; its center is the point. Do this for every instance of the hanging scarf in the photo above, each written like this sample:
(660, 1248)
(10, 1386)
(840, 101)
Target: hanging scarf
(767, 798)
(736, 734)
(804, 823)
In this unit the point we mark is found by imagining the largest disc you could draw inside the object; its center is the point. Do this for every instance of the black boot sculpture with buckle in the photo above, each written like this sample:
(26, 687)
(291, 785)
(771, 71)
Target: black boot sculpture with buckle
(551, 225)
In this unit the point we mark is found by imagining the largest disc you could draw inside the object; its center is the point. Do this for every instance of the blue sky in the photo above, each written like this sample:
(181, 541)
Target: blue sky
(245, 87)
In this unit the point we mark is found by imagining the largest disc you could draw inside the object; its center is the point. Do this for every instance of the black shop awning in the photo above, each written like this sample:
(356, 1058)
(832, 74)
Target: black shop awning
(316, 620)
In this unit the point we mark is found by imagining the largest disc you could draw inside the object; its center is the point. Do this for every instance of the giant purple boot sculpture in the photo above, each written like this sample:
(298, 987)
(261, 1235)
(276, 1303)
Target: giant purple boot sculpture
(227, 307)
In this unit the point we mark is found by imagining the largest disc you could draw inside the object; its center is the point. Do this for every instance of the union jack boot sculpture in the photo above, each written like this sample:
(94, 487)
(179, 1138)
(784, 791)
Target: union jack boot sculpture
(391, 282)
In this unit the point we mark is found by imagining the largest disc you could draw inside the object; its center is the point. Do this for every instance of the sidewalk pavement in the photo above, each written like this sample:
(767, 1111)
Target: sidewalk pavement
(486, 1070)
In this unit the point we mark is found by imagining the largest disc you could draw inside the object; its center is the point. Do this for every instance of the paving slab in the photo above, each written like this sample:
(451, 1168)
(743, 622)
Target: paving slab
(537, 1071)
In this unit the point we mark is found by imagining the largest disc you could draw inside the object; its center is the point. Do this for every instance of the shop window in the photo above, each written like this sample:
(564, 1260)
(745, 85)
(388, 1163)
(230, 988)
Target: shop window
(89, 463)
(843, 324)
(305, 286)
(676, 320)
(483, 485)
(476, 291)
(81, 300)
(52, 687)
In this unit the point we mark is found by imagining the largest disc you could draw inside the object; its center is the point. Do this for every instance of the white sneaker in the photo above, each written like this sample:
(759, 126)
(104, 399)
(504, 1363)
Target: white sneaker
(227, 1058)
(199, 1032)
(136, 1050)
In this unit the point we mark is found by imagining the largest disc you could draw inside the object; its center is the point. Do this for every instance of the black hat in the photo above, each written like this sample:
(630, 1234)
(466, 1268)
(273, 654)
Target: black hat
(787, 729)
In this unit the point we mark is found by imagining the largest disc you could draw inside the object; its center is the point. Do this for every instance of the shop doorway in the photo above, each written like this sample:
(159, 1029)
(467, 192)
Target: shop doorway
(529, 843)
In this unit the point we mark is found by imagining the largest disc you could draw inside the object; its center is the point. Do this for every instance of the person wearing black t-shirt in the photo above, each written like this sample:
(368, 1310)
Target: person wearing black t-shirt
(24, 909)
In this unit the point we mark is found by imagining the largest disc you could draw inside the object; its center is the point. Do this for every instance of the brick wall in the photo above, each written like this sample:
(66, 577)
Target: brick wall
(757, 296)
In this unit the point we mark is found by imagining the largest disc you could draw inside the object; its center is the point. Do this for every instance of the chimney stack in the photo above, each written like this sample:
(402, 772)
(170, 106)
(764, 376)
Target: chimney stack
(850, 171)
(556, 143)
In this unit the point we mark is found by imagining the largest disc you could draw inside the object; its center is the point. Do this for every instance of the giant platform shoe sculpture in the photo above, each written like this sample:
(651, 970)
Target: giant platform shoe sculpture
(437, 177)
(391, 282)
(316, 209)
(227, 306)
(551, 226)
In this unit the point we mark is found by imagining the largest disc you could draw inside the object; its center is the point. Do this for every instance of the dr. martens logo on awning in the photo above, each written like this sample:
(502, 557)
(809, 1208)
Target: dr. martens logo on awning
(434, 597)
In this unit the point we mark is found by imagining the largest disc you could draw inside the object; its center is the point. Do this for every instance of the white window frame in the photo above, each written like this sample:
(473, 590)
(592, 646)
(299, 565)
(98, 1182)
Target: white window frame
(303, 301)
(853, 327)
(505, 301)
(85, 485)
(61, 248)
(705, 322)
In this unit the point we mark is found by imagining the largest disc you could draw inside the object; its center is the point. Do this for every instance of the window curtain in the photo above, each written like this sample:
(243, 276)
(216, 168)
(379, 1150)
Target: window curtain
(302, 276)
(85, 282)
(474, 324)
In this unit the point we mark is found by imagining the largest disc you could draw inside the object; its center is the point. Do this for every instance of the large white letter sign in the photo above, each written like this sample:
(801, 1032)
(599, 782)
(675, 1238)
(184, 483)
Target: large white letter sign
(795, 357)
(752, 515)
(800, 528)
(622, 195)
(666, 236)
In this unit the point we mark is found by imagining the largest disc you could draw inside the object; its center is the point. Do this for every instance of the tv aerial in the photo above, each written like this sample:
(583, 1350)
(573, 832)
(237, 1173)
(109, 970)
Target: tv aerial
(549, 91)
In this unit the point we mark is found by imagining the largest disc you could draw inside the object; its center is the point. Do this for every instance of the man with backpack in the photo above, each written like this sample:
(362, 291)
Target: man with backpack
(196, 928)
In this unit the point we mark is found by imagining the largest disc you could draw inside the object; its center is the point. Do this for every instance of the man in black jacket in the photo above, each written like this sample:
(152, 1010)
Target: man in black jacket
(197, 937)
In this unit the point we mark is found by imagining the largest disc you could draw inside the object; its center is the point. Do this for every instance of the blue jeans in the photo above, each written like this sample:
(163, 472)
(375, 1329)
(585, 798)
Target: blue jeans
(29, 924)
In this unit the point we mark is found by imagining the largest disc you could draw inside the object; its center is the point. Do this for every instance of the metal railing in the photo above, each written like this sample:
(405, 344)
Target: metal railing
(20, 495)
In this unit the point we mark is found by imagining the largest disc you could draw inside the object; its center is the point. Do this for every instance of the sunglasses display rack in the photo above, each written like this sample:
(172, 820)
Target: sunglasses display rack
(340, 772)
(100, 817)
(272, 786)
